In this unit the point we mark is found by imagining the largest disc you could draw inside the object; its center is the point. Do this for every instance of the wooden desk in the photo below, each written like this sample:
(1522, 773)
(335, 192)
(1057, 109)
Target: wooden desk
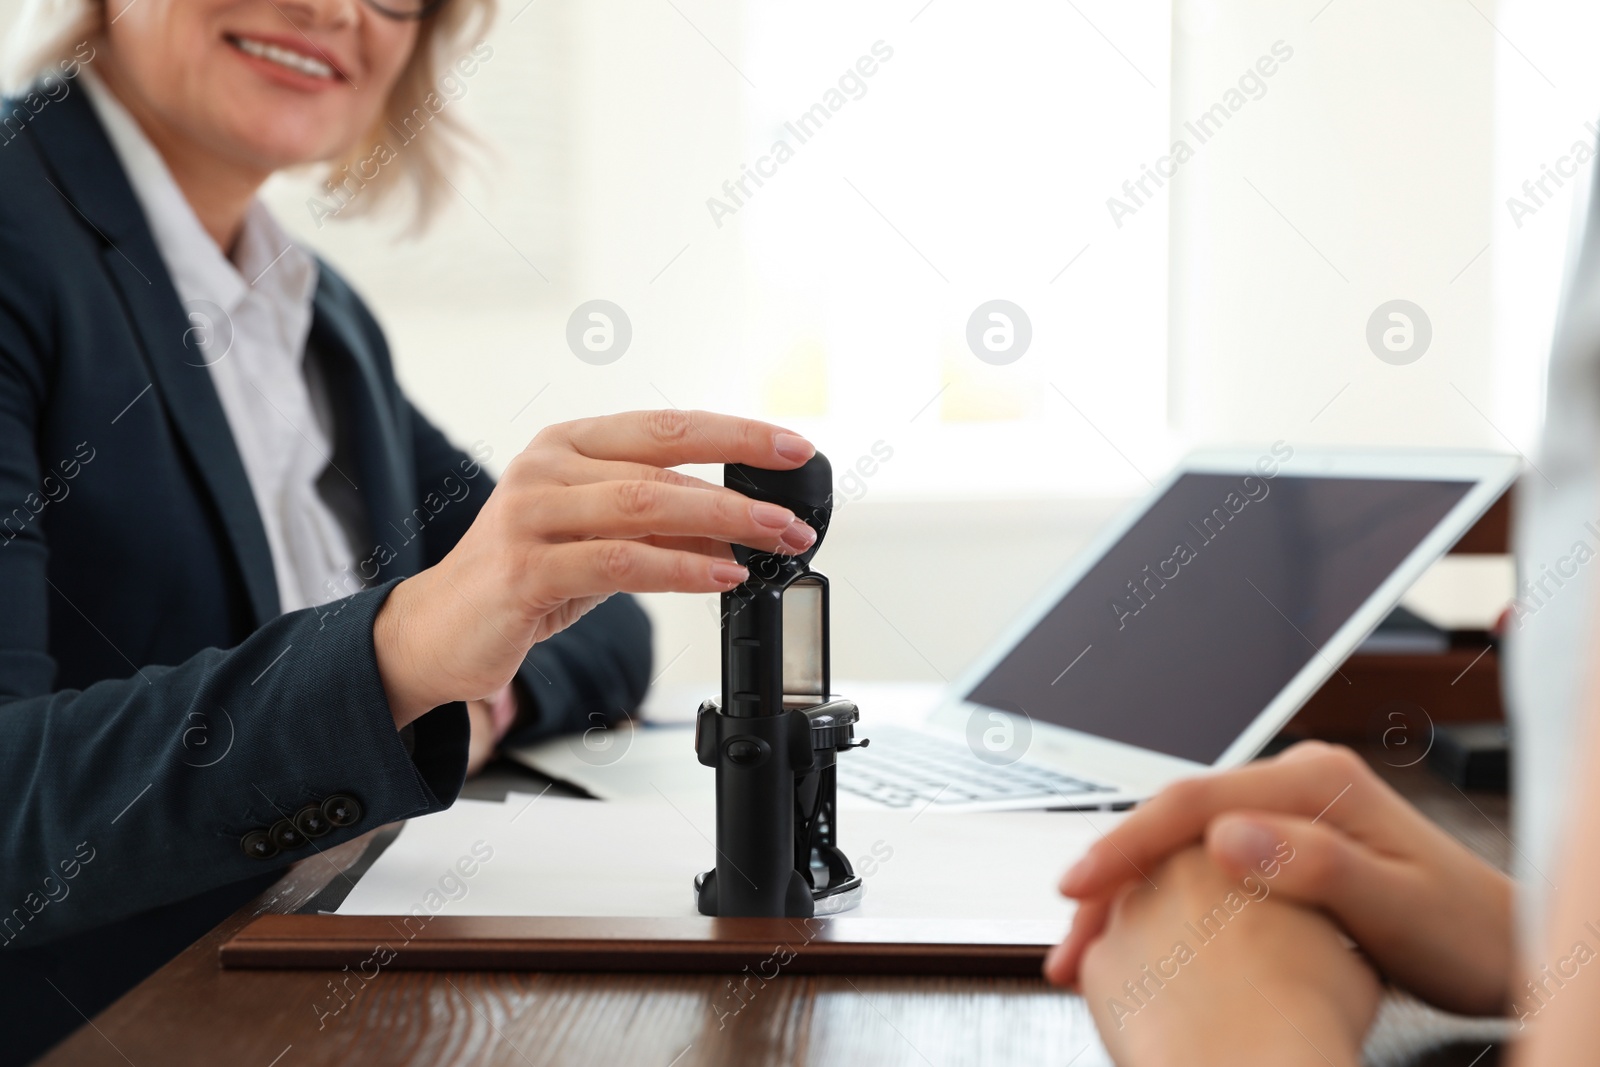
(192, 1012)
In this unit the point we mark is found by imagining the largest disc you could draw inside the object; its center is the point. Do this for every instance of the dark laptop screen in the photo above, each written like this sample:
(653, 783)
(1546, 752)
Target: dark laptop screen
(1224, 589)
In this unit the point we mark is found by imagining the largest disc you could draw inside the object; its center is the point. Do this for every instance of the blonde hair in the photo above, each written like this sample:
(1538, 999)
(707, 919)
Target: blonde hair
(48, 34)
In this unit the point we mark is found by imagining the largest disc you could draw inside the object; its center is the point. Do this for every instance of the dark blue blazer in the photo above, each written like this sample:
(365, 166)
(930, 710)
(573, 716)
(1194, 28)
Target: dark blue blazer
(156, 710)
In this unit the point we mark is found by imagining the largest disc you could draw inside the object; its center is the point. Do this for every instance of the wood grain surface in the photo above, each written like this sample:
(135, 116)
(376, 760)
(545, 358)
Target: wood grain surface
(986, 947)
(194, 1012)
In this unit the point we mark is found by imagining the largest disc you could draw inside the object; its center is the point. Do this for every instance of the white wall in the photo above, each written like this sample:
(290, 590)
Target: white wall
(605, 165)
(1547, 101)
(919, 589)
(1374, 166)
(1364, 175)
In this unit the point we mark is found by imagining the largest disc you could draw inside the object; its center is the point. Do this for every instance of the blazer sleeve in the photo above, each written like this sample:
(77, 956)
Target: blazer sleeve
(115, 804)
(595, 672)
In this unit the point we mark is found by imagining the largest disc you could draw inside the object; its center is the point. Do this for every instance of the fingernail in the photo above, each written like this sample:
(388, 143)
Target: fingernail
(792, 446)
(1053, 957)
(728, 573)
(771, 515)
(1246, 843)
(799, 536)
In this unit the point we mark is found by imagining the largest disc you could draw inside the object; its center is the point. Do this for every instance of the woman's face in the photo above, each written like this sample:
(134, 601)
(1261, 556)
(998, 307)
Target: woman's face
(265, 83)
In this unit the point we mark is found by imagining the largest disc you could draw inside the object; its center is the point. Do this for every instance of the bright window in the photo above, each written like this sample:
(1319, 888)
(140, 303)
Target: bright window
(974, 164)
(935, 159)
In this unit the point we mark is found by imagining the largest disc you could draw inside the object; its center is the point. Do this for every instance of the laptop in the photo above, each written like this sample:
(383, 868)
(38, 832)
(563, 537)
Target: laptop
(1180, 641)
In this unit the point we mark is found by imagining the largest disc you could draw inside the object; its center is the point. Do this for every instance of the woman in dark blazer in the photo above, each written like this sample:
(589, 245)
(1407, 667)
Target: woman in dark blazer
(170, 735)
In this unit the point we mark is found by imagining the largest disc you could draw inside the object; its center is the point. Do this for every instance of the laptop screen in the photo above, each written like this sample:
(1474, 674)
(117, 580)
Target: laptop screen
(1181, 634)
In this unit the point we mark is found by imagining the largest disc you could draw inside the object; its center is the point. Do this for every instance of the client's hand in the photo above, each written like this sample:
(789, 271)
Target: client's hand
(588, 509)
(1216, 969)
(1402, 887)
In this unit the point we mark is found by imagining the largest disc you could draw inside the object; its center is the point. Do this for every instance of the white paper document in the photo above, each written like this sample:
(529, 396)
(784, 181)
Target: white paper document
(556, 856)
(656, 758)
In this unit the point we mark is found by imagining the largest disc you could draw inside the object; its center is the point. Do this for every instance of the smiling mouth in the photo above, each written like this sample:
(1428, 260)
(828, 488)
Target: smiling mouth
(284, 57)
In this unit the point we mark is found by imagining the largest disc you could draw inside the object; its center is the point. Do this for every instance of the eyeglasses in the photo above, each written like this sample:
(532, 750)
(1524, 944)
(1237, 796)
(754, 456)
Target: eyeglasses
(411, 10)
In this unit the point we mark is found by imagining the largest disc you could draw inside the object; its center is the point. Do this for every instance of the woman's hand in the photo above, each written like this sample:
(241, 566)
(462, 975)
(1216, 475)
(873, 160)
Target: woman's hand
(490, 720)
(1403, 888)
(588, 509)
(1214, 969)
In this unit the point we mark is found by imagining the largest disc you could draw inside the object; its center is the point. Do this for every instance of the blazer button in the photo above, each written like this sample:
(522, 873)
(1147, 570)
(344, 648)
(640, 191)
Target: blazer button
(342, 809)
(285, 836)
(310, 821)
(258, 846)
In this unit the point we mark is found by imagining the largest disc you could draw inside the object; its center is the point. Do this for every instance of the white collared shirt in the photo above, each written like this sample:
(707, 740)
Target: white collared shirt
(249, 320)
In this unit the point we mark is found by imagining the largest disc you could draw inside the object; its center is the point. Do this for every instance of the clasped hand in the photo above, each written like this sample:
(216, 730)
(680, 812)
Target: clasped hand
(1365, 862)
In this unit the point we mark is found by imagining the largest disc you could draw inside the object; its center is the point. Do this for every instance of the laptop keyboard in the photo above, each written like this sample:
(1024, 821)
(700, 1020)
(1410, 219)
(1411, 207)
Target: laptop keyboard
(904, 767)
